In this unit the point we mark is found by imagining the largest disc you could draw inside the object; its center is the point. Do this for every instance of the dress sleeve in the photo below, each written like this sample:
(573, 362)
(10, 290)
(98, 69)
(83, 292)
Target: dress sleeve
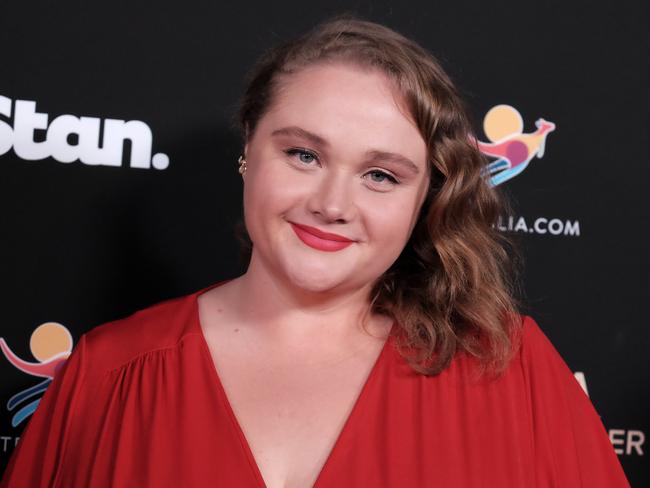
(39, 453)
(572, 447)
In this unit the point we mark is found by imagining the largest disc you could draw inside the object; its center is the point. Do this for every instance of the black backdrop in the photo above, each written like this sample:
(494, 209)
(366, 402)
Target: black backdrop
(85, 243)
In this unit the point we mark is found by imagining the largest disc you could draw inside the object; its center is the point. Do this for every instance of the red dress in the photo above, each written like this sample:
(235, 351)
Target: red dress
(139, 403)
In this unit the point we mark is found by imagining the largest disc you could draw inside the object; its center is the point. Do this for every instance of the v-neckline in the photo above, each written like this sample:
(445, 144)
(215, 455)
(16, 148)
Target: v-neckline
(354, 412)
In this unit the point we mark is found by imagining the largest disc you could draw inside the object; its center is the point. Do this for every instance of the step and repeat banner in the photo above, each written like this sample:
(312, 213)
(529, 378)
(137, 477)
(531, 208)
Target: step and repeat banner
(119, 183)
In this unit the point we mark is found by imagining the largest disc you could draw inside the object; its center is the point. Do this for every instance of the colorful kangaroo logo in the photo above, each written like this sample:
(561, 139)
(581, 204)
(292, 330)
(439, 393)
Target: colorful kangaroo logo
(512, 149)
(51, 344)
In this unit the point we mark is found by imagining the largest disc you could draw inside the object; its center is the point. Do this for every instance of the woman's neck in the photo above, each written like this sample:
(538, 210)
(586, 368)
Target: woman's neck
(283, 310)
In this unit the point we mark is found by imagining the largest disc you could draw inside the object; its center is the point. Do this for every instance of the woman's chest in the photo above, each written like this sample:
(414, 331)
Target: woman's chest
(153, 428)
(291, 412)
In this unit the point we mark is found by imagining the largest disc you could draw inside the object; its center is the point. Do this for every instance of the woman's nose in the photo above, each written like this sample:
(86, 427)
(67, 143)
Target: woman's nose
(332, 198)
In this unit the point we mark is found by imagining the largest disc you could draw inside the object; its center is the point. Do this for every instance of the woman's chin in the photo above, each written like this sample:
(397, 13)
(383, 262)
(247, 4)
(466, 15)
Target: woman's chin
(317, 281)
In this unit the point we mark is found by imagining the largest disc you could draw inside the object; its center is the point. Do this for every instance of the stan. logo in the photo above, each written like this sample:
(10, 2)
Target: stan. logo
(69, 138)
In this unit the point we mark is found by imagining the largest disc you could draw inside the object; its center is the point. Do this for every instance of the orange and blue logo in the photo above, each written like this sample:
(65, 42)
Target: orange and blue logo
(51, 344)
(511, 148)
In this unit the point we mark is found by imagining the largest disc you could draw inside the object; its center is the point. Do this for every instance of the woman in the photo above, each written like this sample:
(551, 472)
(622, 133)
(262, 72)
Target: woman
(372, 341)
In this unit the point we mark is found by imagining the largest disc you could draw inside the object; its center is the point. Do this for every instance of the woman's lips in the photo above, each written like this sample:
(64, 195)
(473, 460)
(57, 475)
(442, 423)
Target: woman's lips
(323, 241)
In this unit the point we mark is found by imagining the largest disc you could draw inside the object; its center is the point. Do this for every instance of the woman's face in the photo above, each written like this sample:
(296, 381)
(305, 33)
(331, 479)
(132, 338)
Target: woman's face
(335, 154)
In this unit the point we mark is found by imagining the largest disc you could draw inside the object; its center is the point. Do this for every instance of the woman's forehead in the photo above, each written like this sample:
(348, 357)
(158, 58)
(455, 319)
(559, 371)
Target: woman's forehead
(339, 100)
(333, 81)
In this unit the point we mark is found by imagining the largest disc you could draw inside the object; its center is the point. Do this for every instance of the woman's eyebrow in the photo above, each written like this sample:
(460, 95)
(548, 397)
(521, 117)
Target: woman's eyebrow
(302, 133)
(377, 156)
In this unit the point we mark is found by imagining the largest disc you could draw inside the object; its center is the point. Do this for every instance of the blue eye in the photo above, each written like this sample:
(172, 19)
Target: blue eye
(305, 157)
(310, 157)
(377, 176)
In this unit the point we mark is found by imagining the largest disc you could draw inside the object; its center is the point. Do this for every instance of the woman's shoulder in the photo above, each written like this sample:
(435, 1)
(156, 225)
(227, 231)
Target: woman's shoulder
(535, 348)
(162, 325)
(563, 418)
(534, 354)
(531, 332)
(530, 350)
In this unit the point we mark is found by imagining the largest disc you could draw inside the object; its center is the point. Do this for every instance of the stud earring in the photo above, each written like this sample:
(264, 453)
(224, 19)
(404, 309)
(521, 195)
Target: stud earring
(242, 165)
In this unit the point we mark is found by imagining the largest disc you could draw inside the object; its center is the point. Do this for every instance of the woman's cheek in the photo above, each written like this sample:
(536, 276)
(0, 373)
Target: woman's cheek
(391, 222)
(279, 188)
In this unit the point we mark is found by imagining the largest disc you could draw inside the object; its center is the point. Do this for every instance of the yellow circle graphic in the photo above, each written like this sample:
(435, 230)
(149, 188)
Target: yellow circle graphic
(502, 121)
(50, 339)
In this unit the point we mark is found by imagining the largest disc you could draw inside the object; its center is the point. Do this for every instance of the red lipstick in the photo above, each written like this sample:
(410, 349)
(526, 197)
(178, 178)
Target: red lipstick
(323, 241)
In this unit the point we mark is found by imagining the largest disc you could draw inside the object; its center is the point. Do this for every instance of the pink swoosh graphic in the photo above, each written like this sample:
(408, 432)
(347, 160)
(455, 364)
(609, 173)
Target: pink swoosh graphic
(46, 369)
